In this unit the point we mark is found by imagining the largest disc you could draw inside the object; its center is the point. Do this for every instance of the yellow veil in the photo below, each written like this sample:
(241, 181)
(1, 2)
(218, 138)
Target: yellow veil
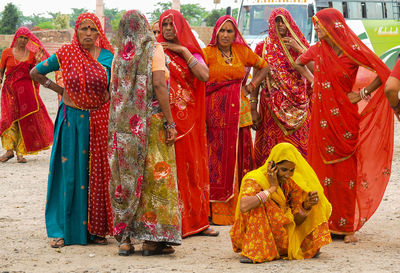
(305, 177)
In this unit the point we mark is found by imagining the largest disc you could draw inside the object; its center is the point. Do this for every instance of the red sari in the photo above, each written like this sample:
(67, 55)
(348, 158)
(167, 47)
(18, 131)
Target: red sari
(20, 100)
(187, 95)
(284, 102)
(352, 165)
(85, 81)
(228, 119)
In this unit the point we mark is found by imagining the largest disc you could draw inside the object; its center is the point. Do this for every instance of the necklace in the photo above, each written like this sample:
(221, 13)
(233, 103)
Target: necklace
(22, 59)
(227, 58)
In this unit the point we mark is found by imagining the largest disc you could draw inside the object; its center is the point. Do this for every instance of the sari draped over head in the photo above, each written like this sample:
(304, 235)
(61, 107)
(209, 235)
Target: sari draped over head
(20, 99)
(287, 90)
(187, 92)
(341, 129)
(187, 102)
(305, 177)
(227, 110)
(131, 109)
(34, 44)
(86, 83)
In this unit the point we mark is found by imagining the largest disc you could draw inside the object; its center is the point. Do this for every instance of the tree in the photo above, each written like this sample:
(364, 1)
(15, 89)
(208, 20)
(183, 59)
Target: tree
(75, 13)
(10, 19)
(212, 18)
(113, 16)
(192, 12)
(61, 21)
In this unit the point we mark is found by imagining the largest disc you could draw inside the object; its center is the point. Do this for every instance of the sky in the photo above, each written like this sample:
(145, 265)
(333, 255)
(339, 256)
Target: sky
(30, 7)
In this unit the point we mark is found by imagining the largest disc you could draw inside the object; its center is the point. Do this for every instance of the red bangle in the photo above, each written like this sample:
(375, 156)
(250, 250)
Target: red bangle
(252, 84)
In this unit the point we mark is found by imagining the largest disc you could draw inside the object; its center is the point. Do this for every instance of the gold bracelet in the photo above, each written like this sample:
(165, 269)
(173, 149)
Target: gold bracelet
(259, 198)
(190, 59)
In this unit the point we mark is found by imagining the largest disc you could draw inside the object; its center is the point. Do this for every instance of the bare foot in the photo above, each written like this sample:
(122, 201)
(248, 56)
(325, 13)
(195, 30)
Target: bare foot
(351, 238)
(209, 232)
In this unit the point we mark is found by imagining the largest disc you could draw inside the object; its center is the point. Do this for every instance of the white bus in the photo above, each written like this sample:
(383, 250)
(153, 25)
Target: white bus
(375, 22)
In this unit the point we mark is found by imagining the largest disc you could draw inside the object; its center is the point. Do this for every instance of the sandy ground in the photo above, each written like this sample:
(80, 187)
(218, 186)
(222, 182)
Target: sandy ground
(24, 246)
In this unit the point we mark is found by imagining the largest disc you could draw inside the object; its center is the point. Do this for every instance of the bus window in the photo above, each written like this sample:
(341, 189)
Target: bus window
(388, 9)
(363, 10)
(338, 6)
(345, 10)
(374, 10)
(354, 10)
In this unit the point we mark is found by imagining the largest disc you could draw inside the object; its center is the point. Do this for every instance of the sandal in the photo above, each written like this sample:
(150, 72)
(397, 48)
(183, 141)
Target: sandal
(4, 158)
(209, 232)
(245, 260)
(57, 243)
(21, 160)
(155, 248)
(122, 251)
(97, 240)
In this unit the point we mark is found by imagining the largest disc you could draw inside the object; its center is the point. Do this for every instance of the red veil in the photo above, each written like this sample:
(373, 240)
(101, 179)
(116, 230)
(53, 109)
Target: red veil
(341, 134)
(238, 36)
(86, 82)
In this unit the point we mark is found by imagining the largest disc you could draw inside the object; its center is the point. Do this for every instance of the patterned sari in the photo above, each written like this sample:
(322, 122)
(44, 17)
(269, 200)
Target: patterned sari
(353, 167)
(81, 146)
(25, 125)
(228, 119)
(143, 189)
(187, 96)
(269, 232)
(284, 102)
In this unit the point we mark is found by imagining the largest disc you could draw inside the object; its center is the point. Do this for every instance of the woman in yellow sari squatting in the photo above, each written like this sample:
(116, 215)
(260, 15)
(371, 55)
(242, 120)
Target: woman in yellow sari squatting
(282, 211)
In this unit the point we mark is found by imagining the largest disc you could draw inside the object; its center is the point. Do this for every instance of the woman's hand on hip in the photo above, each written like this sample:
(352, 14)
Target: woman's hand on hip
(354, 97)
(170, 136)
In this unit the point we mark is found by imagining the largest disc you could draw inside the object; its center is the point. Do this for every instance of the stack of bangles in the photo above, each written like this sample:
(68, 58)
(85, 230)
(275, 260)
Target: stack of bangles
(47, 83)
(263, 196)
(192, 61)
(169, 126)
(364, 94)
(253, 100)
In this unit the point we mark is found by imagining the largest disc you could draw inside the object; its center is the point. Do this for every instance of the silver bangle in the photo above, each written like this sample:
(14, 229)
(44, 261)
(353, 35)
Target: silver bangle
(47, 83)
(193, 63)
(169, 126)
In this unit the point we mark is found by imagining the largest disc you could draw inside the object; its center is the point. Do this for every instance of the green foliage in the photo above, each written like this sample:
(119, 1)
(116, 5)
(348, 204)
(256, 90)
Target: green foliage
(46, 25)
(10, 19)
(2, 48)
(75, 13)
(193, 13)
(115, 22)
(61, 21)
(213, 16)
(161, 7)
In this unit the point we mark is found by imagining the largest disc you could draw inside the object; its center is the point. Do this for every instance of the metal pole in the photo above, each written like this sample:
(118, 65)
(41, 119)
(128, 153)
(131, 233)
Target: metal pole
(176, 4)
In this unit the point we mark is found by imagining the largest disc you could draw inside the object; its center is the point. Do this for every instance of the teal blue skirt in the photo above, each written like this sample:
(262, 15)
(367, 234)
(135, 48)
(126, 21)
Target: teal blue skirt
(67, 189)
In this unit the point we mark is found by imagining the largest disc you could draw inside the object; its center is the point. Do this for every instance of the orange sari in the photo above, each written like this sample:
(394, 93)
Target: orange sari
(230, 149)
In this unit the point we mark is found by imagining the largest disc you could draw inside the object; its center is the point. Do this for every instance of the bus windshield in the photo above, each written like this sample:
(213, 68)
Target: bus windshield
(253, 20)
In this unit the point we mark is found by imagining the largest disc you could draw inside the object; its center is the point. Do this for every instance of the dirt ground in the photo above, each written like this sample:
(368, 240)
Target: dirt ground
(24, 246)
